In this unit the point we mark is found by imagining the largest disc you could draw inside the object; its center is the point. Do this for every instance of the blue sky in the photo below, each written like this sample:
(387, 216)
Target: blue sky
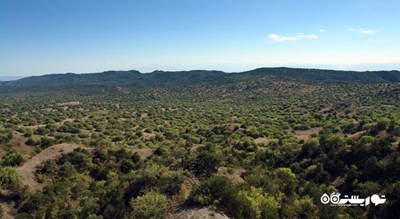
(47, 36)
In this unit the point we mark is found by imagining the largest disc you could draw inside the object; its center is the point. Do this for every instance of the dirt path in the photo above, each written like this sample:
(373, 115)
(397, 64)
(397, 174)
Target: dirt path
(143, 153)
(27, 171)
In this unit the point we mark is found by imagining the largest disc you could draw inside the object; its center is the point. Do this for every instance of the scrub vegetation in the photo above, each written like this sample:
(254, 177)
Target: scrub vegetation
(260, 144)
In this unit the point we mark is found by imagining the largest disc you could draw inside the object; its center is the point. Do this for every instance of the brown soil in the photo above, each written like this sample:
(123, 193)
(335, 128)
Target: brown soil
(395, 144)
(382, 134)
(306, 134)
(7, 211)
(326, 109)
(148, 136)
(33, 126)
(66, 120)
(27, 171)
(234, 174)
(339, 181)
(144, 152)
(143, 115)
(195, 147)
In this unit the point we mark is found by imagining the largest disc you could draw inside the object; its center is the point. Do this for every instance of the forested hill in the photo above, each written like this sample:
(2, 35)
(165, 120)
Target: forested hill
(171, 78)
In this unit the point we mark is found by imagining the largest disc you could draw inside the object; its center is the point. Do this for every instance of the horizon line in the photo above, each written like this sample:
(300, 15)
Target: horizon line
(16, 77)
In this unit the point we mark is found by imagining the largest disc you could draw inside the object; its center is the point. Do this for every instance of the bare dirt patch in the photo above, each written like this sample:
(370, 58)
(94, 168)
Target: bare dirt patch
(7, 210)
(195, 147)
(148, 136)
(339, 181)
(27, 171)
(68, 120)
(396, 144)
(143, 115)
(306, 134)
(197, 213)
(382, 134)
(143, 152)
(233, 174)
(34, 126)
(326, 109)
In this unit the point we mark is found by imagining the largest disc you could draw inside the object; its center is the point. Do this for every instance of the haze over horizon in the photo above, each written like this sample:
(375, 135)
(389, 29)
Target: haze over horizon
(44, 36)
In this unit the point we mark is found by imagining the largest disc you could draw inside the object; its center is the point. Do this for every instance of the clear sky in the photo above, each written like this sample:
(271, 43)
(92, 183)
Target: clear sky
(50, 36)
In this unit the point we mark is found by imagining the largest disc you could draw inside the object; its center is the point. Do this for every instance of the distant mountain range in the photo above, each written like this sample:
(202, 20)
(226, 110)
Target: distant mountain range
(174, 78)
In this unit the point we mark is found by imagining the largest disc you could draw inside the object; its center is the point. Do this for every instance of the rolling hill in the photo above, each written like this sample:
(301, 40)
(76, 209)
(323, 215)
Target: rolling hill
(173, 78)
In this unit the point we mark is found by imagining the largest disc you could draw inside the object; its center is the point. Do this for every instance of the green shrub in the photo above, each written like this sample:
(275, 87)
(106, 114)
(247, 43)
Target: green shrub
(150, 205)
(9, 179)
(12, 159)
